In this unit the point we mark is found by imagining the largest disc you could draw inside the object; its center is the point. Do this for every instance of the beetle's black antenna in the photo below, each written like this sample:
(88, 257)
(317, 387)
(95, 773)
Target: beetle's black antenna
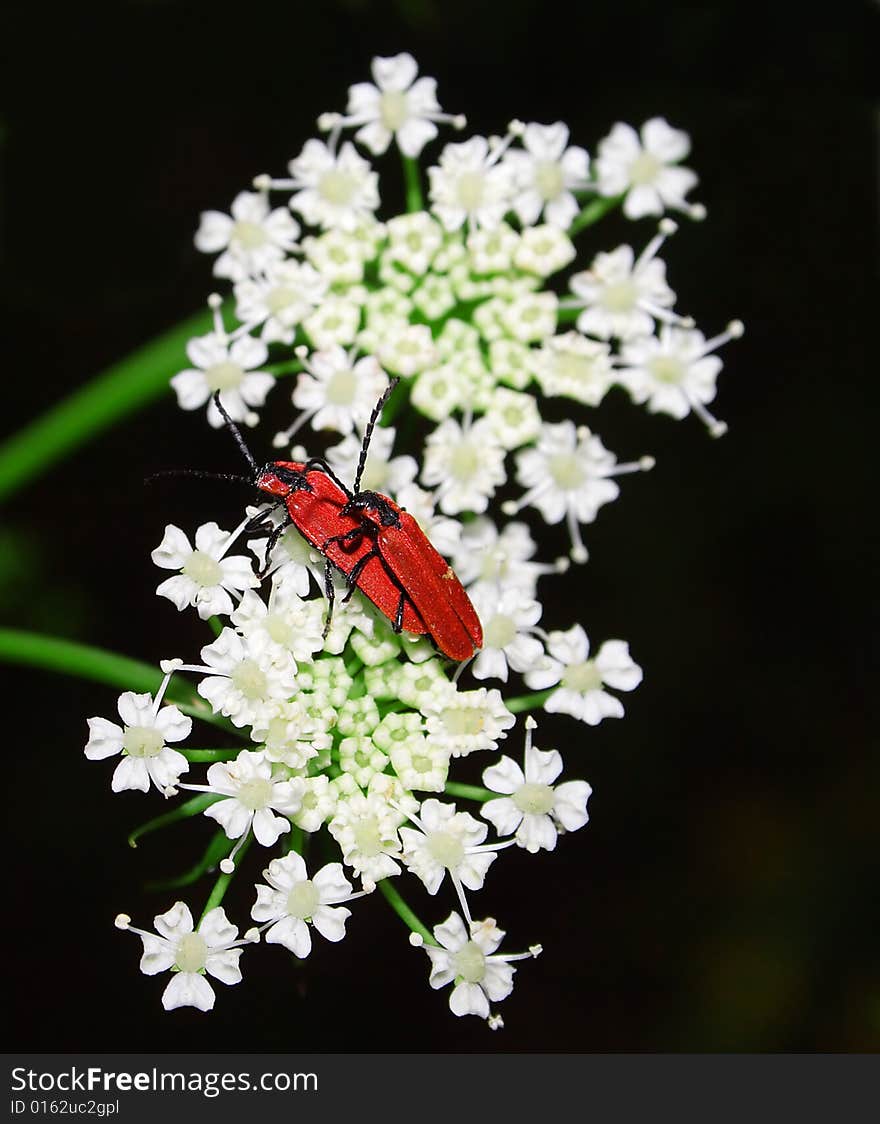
(236, 433)
(202, 475)
(368, 433)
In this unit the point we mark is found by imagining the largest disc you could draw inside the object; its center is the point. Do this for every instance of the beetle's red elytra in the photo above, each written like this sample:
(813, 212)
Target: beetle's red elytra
(376, 544)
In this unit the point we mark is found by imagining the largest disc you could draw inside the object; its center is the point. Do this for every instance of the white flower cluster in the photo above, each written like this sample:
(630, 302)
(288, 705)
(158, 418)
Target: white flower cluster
(353, 727)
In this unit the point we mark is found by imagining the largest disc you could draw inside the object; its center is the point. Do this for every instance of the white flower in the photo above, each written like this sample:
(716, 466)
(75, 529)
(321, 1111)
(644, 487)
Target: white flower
(531, 317)
(438, 392)
(243, 677)
(417, 763)
(567, 477)
(413, 240)
(398, 106)
(287, 625)
(365, 827)
(337, 393)
(446, 840)
(582, 681)
(498, 558)
(467, 464)
(467, 962)
(334, 323)
(147, 727)
(319, 802)
(332, 188)
(287, 734)
(531, 806)
(207, 576)
(253, 798)
(544, 250)
(280, 299)
(622, 296)
(547, 172)
(338, 256)
(676, 373)
(645, 168)
(513, 416)
(292, 902)
(465, 721)
(228, 368)
(508, 616)
(571, 366)
(492, 251)
(382, 472)
(407, 349)
(209, 950)
(469, 185)
(253, 238)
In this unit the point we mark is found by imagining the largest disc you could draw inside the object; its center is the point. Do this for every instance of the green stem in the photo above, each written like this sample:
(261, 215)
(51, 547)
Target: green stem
(222, 884)
(594, 210)
(216, 625)
(528, 702)
(196, 756)
(183, 811)
(116, 392)
(403, 911)
(66, 656)
(566, 315)
(217, 849)
(287, 367)
(414, 201)
(469, 791)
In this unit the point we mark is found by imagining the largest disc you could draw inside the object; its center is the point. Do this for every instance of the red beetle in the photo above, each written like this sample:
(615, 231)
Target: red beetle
(377, 545)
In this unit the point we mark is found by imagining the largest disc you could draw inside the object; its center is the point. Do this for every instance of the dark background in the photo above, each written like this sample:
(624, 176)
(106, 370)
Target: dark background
(724, 895)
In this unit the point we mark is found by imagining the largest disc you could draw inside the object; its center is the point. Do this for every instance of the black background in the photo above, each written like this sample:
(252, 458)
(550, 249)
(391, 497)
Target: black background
(724, 895)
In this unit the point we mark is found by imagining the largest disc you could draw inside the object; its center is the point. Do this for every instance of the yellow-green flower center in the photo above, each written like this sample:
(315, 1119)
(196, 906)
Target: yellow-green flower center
(142, 741)
(470, 963)
(224, 375)
(534, 799)
(303, 900)
(582, 677)
(202, 568)
(191, 953)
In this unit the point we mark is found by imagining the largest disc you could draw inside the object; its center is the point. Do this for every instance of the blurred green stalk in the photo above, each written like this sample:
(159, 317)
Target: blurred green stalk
(116, 392)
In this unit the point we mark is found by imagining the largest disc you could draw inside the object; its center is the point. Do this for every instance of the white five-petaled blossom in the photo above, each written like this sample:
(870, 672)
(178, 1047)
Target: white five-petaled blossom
(486, 555)
(365, 827)
(147, 727)
(580, 681)
(675, 372)
(645, 168)
(467, 464)
(398, 106)
(571, 366)
(332, 188)
(191, 953)
(253, 238)
(464, 722)
(286, 624)
(470, 185)
(279, 299)
(228, 368)
(446, 841)
(531, 806)
(622, 296)
(508, 616)
(547, 172)
(336, 392)
(567, 476)
(207, 576)
(292, 902)
(244, 675)
(466, 961)
(253, 798)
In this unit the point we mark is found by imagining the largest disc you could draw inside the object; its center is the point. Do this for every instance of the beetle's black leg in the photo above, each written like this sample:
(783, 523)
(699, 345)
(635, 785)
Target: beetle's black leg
(271, 543)
(331, 595)
(355, 574)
